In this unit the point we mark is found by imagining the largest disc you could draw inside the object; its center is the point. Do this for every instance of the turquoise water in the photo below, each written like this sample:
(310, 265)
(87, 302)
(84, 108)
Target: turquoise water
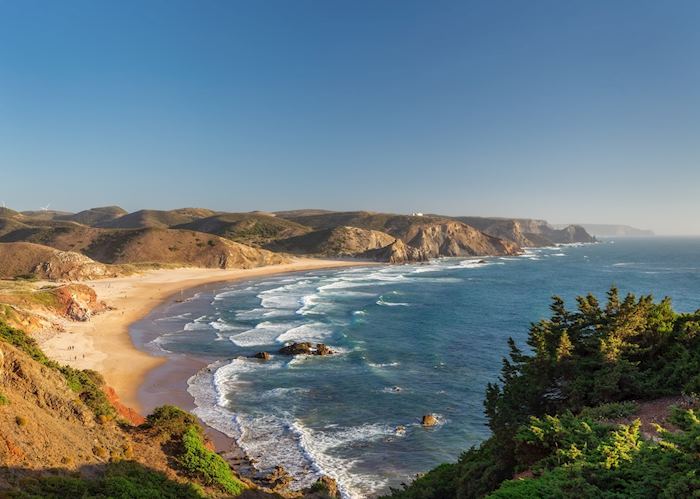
(410, 340)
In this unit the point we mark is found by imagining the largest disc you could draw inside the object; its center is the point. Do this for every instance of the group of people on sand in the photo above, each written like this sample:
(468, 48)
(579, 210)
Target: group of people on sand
(72, 347)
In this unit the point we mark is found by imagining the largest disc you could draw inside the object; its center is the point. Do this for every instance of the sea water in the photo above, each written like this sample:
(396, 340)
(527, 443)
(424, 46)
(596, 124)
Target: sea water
(408, 340)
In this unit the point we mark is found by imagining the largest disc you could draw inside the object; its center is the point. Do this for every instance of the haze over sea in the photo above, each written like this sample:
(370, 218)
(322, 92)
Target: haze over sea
(410, 340)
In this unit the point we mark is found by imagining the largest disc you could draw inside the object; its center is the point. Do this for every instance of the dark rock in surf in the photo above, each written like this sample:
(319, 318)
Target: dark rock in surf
(322, 349)
(429, 420)
(306, 348)
(261, 356)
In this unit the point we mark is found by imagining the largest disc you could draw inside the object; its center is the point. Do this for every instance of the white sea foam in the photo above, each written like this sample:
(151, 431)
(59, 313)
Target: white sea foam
(314, 331)
(196, 326)
(383, 365)
(220, 325)
(265, 333)
(319, 446)
(179, 317)
(384, 303)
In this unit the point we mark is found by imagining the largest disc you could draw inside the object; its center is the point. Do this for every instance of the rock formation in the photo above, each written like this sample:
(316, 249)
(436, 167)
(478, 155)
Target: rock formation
(306, 348)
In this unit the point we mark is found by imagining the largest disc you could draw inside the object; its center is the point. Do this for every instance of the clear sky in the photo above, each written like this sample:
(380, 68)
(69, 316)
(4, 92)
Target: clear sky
(573, 111)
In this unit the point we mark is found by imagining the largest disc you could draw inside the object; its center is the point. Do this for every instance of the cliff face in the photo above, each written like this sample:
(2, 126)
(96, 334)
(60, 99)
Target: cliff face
(528, 232)
(451, 238)
(396, 252)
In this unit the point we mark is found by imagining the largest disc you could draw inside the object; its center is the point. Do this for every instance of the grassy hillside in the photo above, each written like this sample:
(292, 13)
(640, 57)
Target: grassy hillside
(62, 438)
(157, 218)
(337, 241)
(177, 247)
(34, 261)
(254, 229)
(566, 418)
(396, 225)
(95, 216)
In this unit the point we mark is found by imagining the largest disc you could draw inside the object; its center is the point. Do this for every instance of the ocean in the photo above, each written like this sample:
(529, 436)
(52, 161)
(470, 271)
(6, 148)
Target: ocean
(409, 340)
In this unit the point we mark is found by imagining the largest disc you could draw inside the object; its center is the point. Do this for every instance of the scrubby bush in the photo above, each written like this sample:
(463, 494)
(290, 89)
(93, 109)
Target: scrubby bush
(169, 421)
(4, 400)
(207, 465)
(88, 384)
(21, 420)
(612, 410)
(123, 480)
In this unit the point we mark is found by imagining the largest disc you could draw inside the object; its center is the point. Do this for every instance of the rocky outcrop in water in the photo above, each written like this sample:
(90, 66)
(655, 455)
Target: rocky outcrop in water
(429, 420)
(306, 348)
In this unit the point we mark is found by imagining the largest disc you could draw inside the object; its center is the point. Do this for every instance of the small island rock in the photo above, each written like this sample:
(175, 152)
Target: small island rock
(429, 420)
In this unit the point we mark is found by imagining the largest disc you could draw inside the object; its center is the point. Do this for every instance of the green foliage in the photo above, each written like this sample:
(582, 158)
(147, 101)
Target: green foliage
(88, 385)
(593, 362)
(21, 341)
(4, 400)
(169, 422)
(122, 480)
(207, 465)
(611, 410)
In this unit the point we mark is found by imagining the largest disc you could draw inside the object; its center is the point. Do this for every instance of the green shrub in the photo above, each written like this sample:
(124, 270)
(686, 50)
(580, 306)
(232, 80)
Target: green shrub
(207, 465)
(612, 410)
(88, 384)
(122, 480)
(169, 421)
(4, 400)
(21, 341)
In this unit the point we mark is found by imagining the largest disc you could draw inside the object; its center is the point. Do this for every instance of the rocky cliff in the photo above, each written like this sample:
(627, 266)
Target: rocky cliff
(451, 238)
(528, 232)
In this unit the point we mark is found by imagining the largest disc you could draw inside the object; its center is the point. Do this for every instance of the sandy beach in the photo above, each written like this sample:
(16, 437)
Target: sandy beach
(103, 343)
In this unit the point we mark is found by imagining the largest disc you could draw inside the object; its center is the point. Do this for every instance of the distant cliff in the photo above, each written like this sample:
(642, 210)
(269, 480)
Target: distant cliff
(612, 230)
(529, 232)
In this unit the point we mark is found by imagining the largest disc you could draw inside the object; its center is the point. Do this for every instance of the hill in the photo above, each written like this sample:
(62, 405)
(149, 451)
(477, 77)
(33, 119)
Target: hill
(254, 229)
(95, 216)
(157, 218)
(177, 247)
(588, 410)
(144, 246)
(337, 241)
(37, 261)
(432, 235)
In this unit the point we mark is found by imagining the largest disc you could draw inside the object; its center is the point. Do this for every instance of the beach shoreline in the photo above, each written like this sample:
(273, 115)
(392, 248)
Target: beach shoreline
(104, 342)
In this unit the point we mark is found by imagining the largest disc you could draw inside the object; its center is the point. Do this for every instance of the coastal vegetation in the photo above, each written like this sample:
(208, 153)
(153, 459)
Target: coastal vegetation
(563, 415)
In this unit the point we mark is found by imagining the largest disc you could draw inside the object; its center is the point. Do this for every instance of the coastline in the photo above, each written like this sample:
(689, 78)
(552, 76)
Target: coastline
(104, 343)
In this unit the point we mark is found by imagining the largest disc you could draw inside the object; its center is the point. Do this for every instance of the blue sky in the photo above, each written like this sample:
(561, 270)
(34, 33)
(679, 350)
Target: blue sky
(575, 111)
